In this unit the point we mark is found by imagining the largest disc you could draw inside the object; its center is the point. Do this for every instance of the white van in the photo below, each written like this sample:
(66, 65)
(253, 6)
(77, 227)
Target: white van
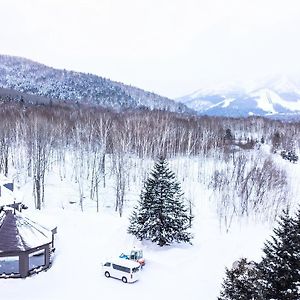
(124, 269)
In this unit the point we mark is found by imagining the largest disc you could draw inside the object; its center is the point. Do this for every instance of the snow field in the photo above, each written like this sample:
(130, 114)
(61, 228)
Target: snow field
(85, 239)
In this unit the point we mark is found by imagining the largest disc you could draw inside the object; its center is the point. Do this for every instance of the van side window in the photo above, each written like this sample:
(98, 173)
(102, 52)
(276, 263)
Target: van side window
(107, 264)
(121, 268)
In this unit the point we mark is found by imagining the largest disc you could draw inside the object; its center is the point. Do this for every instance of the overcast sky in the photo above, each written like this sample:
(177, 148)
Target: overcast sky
(171, 47)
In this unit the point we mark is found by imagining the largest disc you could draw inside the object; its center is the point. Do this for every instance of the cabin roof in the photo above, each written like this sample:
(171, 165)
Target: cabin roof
(19, 233)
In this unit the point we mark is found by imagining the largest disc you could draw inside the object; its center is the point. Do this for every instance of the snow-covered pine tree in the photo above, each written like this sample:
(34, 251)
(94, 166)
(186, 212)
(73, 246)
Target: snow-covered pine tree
(161, 215)
(240, 282)
(279, 270)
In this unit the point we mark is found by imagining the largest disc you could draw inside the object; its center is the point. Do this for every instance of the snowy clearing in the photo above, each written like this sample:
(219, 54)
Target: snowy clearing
(86, 239)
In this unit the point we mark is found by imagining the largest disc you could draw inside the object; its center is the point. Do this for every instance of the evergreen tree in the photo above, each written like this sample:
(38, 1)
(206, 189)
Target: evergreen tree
(228, 135)
(289, 155)
(292, 157)
(276, 141)
(279, 270)
(161, 215)
(240, 282)
(277, 276)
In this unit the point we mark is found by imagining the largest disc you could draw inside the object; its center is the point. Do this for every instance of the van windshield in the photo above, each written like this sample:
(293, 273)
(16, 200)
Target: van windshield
(134, 270)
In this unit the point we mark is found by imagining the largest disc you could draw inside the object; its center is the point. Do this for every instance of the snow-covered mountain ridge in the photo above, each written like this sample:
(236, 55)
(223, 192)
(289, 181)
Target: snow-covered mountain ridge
(26, 76)
(279, 97)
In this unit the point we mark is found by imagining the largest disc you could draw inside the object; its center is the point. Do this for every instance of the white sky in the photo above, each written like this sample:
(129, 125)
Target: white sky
(171, 47)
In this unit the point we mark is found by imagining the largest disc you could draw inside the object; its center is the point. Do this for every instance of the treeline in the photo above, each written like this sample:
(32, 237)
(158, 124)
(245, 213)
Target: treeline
(34, 137)
(146, 133)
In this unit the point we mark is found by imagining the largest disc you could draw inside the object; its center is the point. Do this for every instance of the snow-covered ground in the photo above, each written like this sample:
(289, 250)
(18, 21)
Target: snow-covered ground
(85, 239)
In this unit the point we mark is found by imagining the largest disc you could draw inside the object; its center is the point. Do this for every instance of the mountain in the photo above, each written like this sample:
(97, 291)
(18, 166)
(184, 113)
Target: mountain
(277, 97)
(32, 78)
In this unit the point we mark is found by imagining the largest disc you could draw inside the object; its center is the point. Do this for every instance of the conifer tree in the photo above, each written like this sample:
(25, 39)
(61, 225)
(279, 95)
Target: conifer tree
(240, 282)
(279, 270)
(277, 276)
(161, 215)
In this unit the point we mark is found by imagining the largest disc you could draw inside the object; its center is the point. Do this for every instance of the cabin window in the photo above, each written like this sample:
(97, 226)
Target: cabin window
(9, 265)
(36, 259)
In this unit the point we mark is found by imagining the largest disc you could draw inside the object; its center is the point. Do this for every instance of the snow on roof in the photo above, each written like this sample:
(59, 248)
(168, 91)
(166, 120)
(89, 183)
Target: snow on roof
(19, 233)
(40, 218)
(7, 197)
(4, 179)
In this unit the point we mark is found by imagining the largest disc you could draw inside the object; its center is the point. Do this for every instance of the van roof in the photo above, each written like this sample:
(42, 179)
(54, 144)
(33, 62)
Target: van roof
(124, 262)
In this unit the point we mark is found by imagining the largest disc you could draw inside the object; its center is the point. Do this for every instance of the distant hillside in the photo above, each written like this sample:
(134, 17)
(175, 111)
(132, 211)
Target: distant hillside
(33, 78)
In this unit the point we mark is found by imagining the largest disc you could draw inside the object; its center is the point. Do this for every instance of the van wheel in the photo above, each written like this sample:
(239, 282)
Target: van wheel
(107, 274)
(124, 279)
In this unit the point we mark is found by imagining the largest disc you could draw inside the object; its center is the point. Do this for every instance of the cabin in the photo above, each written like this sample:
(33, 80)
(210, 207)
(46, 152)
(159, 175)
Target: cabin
(26, 247)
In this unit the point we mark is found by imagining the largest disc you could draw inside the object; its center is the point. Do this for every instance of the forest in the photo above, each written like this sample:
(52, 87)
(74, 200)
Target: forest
(101, 144)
